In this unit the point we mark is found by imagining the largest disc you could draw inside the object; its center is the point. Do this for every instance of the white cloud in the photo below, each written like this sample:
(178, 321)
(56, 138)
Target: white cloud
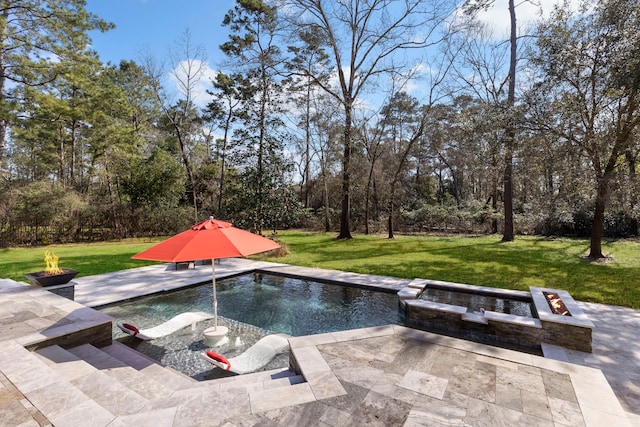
(193, 76)
(527, 13)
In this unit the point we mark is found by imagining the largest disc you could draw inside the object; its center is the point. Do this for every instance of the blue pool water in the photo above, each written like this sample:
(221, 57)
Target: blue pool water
(252, 306)
(278, 304)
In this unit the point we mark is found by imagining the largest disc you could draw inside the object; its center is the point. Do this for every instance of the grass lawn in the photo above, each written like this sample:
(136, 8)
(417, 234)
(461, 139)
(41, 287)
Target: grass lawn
(485, 261)
(87, 258)
(529, 261)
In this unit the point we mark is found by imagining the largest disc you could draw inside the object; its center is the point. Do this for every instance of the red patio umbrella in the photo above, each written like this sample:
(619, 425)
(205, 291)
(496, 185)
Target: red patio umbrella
(208, 239)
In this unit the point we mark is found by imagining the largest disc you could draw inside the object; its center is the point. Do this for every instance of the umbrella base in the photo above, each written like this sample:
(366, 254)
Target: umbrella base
(212, 335)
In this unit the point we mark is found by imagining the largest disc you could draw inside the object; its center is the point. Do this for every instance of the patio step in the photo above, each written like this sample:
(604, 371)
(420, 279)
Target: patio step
(129, 356)
(140, 361)
(259, 380)
(147, 387)
(96, 357)
(67, 364)
(128, 384)
(56, 398)
(98, 379)
(264, 380)
(169, 377)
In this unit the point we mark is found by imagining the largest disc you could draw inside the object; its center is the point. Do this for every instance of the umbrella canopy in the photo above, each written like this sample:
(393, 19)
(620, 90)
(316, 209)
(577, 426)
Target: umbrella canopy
(208, 239)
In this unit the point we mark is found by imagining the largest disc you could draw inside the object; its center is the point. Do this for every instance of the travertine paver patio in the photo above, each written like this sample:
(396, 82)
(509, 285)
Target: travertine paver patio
(418, 378)
(376, 376)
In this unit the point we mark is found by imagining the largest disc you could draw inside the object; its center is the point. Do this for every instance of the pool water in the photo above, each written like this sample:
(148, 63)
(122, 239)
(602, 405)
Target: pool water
(478, 302)
(252, 306)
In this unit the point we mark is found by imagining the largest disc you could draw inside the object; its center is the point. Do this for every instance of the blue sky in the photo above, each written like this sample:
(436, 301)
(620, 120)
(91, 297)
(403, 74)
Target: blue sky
(154, 25)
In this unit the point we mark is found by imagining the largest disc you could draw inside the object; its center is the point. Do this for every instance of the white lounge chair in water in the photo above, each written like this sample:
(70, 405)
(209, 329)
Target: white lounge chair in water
(256, 356)
(170, 326)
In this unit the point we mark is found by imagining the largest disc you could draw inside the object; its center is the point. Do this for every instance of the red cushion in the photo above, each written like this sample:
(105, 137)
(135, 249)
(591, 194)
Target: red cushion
(132, 328)
(219, 358)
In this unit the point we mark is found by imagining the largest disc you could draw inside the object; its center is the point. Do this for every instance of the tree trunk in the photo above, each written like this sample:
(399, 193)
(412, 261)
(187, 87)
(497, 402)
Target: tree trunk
(390, 222)
(112, 201)
(368, 194)
(510, 134)
(307, 147)
(325, 193)
(631, 165)
(597, 227)
(507, 235)
(223, 159)
(633, 197)
(260, 196)
(325, 201)
(392, 195)
(345, 215)
(327, 221)
(61, 159)
(3, 94)
(74, 144)
(187, 165)
(366, 212)
(494, 207)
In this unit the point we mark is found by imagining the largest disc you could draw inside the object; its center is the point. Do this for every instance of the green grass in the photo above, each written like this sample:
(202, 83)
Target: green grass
(87, 258)
(529, 261)
(485, 261)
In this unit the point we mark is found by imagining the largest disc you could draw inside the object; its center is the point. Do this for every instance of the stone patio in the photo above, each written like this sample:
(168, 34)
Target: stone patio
(389, 375)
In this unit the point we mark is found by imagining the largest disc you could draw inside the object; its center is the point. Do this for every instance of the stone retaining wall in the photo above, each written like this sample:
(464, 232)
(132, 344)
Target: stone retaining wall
(573, 332)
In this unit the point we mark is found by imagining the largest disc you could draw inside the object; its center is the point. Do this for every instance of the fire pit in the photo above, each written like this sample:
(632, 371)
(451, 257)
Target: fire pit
(43, 278)
(555, 304)
(52, 275)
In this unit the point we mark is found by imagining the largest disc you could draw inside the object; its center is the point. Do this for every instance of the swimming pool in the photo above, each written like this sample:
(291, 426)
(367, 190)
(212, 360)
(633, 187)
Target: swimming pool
(252, 305)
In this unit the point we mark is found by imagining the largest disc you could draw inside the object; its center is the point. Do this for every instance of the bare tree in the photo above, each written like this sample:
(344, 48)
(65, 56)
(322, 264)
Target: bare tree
(363, 38)
(486, 63)
(510, 130)
(308, 59)
(187, 67)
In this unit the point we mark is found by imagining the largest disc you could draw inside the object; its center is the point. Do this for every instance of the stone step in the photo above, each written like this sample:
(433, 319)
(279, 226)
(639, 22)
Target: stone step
(266, 400)
(90, 370)
(265, 376)
(260, 380)
(126, 354)
(65, 363)
(146, 386)
(111, 394)
(169, 377)
(57, 399)
(96, 357)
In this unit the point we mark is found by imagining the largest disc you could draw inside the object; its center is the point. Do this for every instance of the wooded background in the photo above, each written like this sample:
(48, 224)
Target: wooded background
(367, 116)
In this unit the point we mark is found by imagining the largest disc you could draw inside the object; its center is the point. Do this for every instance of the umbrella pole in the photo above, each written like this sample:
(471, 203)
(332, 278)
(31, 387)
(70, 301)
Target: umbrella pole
(215, 299)
(213, 335)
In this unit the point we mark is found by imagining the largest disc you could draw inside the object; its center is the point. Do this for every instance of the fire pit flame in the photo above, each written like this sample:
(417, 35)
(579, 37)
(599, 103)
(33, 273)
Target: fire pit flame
(51, 260)
(556, 304)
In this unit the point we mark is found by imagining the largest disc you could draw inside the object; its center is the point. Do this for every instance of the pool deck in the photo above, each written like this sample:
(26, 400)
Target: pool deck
(390, 375)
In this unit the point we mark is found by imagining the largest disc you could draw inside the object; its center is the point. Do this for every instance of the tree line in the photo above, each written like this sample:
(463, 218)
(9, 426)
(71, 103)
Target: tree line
(368, 116)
